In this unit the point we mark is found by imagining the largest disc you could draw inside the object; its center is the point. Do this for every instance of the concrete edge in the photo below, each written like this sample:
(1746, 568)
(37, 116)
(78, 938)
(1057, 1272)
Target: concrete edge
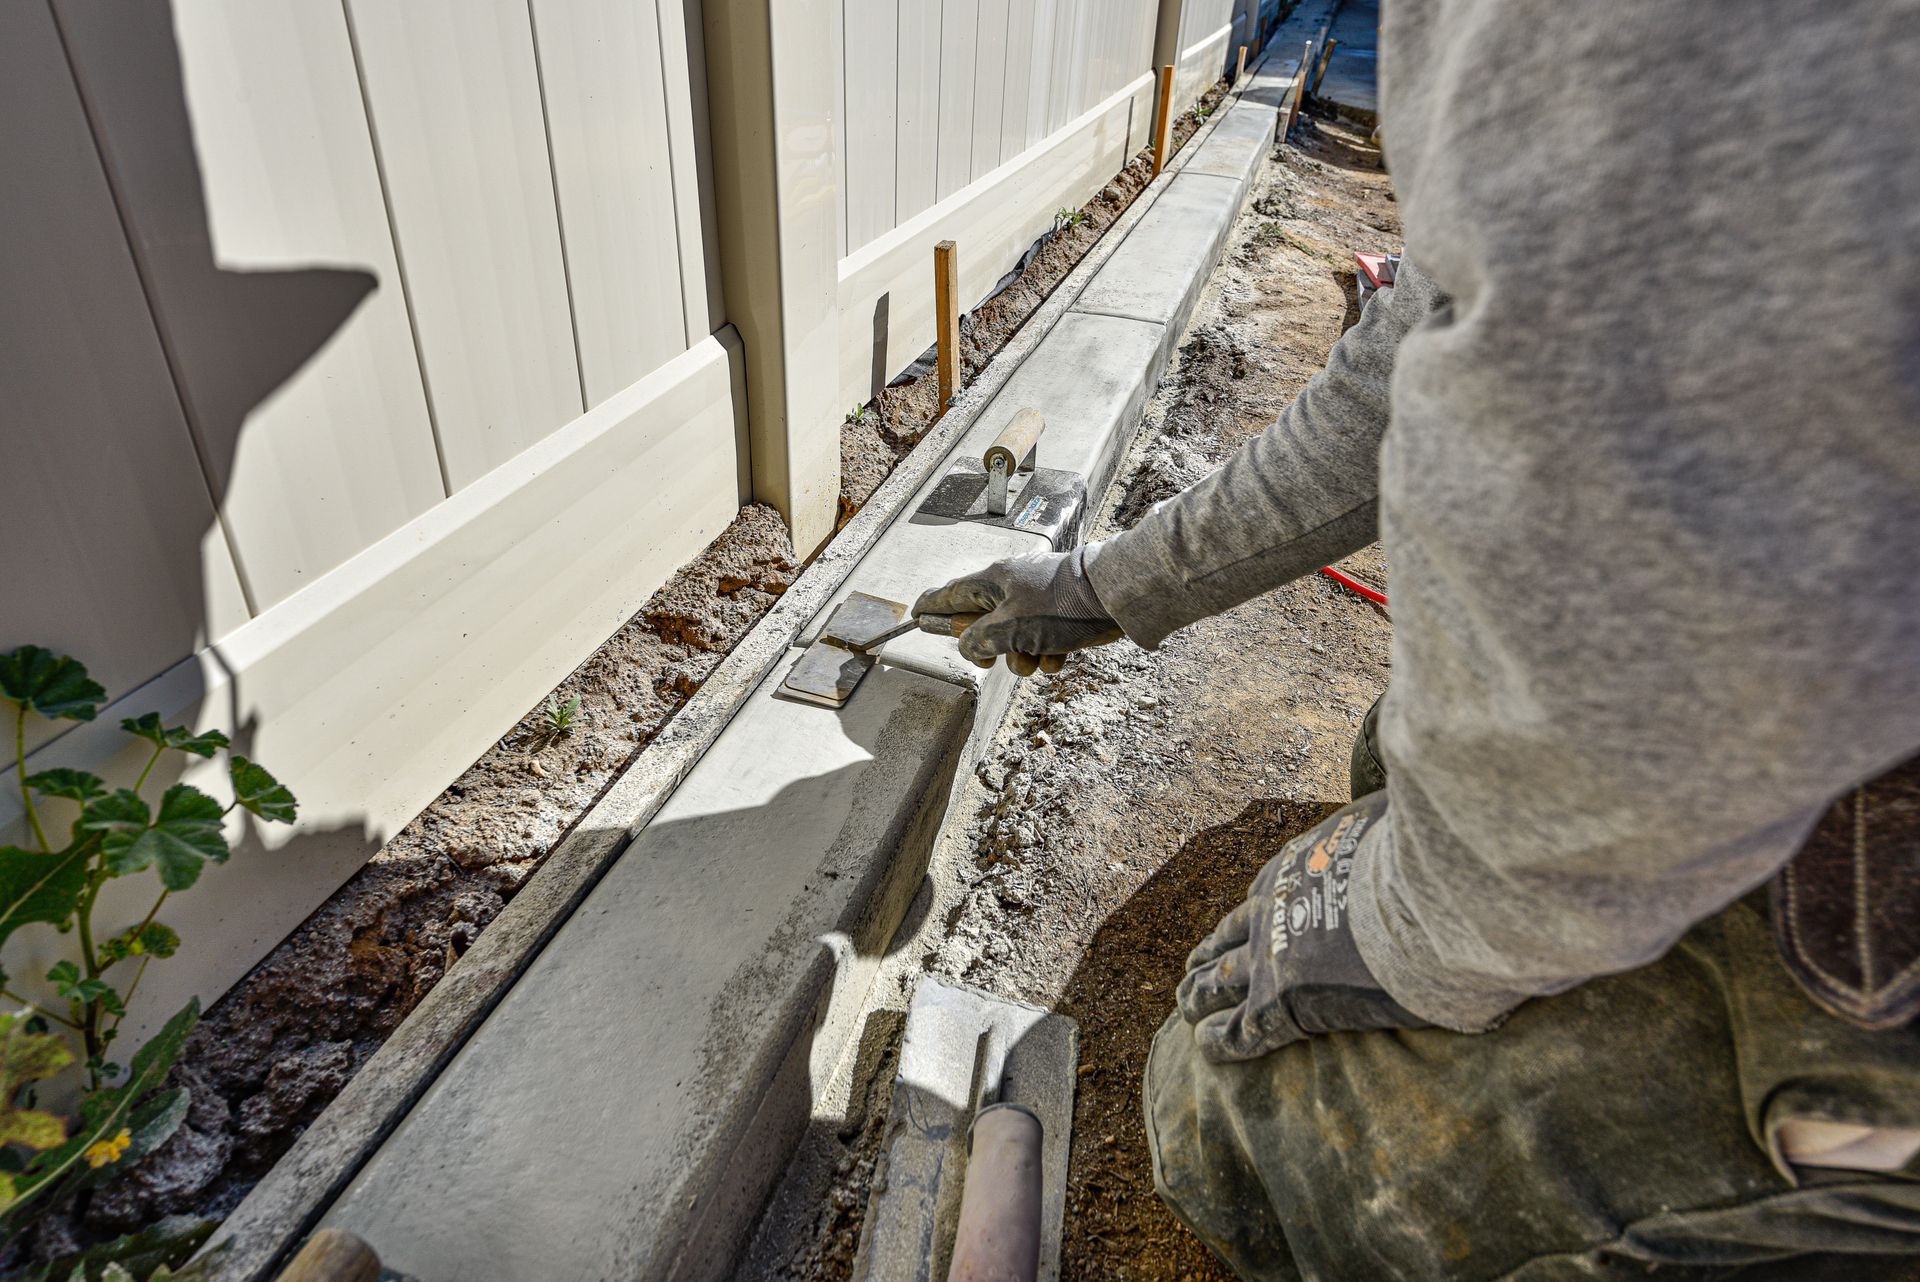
(996, 696)
(287, 1203)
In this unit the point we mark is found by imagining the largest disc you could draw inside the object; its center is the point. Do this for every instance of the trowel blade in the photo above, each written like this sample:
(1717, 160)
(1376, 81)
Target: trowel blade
(826, 675)
(865, 622)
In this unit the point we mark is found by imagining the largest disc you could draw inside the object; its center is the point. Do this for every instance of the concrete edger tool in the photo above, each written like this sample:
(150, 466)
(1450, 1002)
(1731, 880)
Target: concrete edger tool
(832, 667)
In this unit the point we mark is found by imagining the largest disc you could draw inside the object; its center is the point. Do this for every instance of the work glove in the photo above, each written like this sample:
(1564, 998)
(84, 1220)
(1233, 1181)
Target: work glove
(1035, 610)
(1284, 965)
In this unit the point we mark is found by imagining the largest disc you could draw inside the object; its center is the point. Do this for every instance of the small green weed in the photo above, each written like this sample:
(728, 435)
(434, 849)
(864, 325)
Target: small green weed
(1065, 218)
(559, 717)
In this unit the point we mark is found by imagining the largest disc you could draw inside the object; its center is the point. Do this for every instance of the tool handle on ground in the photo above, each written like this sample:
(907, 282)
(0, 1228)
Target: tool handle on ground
(332, 1255)
(946, 625)
(998, 1236)
(1016, 442)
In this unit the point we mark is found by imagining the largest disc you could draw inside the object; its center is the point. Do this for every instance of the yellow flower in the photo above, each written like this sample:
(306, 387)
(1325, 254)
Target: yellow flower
(103, 1152)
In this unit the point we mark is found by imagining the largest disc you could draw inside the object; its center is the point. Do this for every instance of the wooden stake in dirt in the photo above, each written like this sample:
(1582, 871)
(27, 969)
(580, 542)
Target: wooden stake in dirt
(1299, 88)
(333, 1256)
(1326, 60)
(1240, 69)
(946, 318)
(1163, 127)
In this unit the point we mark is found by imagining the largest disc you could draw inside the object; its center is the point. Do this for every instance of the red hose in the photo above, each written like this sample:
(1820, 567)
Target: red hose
(1354, 585)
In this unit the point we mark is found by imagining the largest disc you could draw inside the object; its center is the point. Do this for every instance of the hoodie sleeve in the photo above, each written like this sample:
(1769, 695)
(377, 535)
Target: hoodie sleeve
(1302, 494)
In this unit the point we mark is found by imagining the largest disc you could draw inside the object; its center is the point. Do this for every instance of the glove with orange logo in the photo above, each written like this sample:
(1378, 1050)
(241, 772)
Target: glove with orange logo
(1283, 965)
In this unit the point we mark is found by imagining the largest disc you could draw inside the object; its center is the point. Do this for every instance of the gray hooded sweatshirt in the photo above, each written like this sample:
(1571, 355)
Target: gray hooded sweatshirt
(1641, 435)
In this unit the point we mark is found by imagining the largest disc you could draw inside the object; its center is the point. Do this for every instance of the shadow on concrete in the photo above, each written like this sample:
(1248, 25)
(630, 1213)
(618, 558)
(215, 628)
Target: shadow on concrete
(717, 962)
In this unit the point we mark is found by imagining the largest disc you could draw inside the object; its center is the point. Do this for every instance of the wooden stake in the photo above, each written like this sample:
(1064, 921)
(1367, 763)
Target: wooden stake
(946, 319)
(331, 1255)
(1299, 88)
(1240, 70)
(1163, 127)
(1326, 60)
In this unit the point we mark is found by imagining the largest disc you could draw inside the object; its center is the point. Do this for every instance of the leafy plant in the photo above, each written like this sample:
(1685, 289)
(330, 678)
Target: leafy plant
(115, 832)
(560, 716)
(150, 1253)
(1065, 218)
(862, 416)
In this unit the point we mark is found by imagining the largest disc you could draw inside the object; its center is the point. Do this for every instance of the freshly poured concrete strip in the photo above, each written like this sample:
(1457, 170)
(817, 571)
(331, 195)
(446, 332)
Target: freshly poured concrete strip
(1091, 381)
(270, 1223)
(1237, 147)
(613, 1116)
(1157, 274)
(602, 1121)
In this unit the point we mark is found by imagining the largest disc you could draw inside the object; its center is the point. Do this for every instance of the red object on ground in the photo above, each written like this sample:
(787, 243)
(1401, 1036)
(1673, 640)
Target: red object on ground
(1354, 585)
(1378, 271)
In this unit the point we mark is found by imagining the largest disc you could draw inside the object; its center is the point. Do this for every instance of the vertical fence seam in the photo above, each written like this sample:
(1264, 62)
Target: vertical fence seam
(399, 256)
(559, 215)
(673, 185)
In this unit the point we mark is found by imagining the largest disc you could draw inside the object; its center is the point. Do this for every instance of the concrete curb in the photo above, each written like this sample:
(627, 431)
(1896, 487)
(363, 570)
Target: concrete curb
(651, 1069)
(289, 1201)
(709, 986)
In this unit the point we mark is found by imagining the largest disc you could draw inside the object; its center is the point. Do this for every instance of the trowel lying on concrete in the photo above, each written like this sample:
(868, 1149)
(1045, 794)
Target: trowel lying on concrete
(832, 667)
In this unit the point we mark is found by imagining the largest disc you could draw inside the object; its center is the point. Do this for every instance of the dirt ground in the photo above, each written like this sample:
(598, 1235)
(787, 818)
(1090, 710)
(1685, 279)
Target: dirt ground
(874, 439)
(1128, 802)
(281, 1044)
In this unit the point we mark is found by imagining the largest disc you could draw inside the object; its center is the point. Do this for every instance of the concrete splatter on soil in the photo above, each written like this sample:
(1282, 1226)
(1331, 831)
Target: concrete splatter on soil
(284, 1041)
(875, 439)
(1128, 802)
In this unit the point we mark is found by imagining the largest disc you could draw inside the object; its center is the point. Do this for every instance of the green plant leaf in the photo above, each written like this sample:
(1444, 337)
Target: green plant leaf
(146, 1126)
(50, 684)
(183, 836)
(74, 785)
(31, 1128)
(70, 984)
(106, 1112)
(157, 1056)
(27, 1057)
(150, 940)
(261, 793)
(119, 817)
(40, 887)
(152, 1253)
(147, 726)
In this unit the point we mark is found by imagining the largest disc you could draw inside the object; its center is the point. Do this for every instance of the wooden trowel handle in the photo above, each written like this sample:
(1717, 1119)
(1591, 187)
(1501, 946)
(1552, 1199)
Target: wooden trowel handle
(947, 625)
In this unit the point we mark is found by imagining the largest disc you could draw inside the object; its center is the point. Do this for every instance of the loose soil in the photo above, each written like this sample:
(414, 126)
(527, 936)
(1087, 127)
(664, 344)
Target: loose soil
(1128, 802)
(280, 1045)
(875, 439)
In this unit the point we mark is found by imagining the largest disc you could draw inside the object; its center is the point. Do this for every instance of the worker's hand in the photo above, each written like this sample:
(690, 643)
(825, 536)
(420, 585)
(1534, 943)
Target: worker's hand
(1035, 610)
(1283, 965)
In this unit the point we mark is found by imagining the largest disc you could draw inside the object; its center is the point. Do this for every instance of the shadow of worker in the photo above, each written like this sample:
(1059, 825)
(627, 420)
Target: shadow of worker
(122, 331)
(130, 362)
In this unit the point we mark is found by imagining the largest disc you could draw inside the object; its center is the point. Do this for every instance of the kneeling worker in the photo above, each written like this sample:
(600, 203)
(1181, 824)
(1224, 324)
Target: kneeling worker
(1612, 963)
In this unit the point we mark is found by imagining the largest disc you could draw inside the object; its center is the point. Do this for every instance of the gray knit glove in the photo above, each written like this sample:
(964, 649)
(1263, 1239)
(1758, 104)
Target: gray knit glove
(1283, 965)
(1037, 609)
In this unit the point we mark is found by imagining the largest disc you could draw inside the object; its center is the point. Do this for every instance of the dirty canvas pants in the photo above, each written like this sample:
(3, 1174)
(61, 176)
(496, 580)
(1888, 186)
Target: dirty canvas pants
(1623, 1124)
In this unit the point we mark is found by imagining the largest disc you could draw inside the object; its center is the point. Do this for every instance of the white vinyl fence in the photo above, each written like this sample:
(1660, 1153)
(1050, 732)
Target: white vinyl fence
(367, 363)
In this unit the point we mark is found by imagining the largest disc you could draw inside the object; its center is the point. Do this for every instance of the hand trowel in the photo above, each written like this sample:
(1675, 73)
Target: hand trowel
(832, 667)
